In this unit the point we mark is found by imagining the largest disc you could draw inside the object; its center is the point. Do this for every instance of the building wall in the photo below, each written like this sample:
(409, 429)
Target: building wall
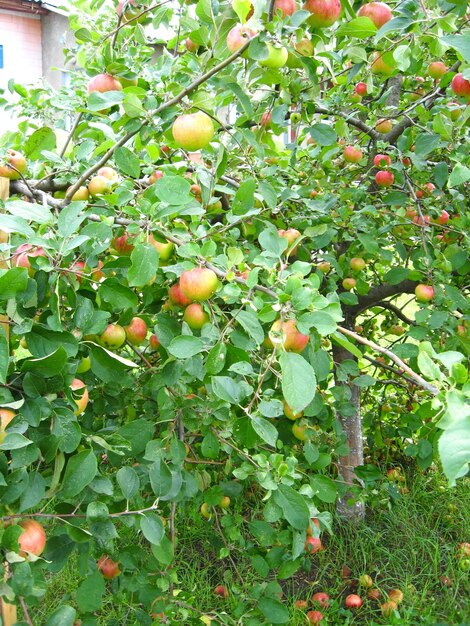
(20, 37)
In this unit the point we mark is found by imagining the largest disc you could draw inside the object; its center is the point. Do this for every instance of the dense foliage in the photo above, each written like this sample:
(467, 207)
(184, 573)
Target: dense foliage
(323, 291)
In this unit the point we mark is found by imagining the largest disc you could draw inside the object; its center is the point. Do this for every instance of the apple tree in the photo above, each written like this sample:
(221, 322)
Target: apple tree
(234, 278)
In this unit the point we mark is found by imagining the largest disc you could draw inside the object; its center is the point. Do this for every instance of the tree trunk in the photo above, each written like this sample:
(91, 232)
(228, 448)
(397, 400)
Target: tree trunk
(348, 507)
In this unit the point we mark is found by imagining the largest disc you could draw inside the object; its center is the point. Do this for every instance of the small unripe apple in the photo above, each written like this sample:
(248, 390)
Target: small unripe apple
(361, 89)
(195, 316)
(108, 568)
(382, 160)
(136, 331)
(378, 12)
(384, 178)
(437, 69)
(82, 401)
(113, 336)
(314, 617)
(199, 284)
(349, 283)
(352, 154)
(221, 591)
(321, 598)
(424, 293)
(357, 264)
(353, 601)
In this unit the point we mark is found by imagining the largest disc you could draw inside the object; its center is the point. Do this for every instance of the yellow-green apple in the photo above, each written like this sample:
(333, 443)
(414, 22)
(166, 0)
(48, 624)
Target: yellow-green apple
(353, 601)
(461, 86)
(193, 131)
(349, 283)
(378, 12)
(199, 283)
(424, 293)
(382, 160)
(238, 36)
(136, 331)
(324, 12)
(289, 413)
(277, 57)
(177, 297)
(357, 264)
(384, 178)
(290, 235)
(195, 316)
(82, 400)
(108, 568)
(33, 538)
(379, 66)
(113, 336)
(103, 83)
(292, 340)
(14, 167)
(437, 69)
(352, 154)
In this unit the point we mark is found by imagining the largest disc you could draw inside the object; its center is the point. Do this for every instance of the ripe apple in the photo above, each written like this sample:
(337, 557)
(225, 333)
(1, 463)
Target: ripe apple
(82, 401)
(108, 568)
(277, 57)
(378, 12)
(6, 416)
(156, 175)
(361, 89)
(22, 255)
(461, 86)
(352, 154)
(286, 7)
(357, 264)
(198, 284)
(388, 608)
(177, 297)
(353, 601)
(437, 69)
(33, 538)
(349, 283)
(324, 12)
(321, 598)
(190, 45)
(314, 617)
(382, 160)
(238, 36)
(379, 66)
(292, 339)
(290, 235)
(373, 594)
(98, 185)
(113, 337)
(424, 293)
(365, 581)
(193, 131)
(14, 160)
(195, 316)
(122, 244)
(103, 83)
(136, 331)
(313, 545)
(164, 249)
(221, 591)
(384, 178)
(384, 126)
(396, 595)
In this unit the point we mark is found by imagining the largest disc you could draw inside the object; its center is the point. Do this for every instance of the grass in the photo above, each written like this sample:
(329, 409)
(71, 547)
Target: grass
(410, 545)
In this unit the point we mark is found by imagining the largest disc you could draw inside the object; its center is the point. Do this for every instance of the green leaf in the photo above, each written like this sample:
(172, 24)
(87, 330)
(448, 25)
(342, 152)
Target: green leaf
(323, 134)
(152, 528)
(29, 211)
(294, 507)
(249, 321)
(42, 139)
(266, 430)
(459, 175)
(127, 162)
(185, 346)
(273, 610)
(144, 265)
(79, 472)
(359, 27)
(12, 282)
(454, 449)
(4, 356)
(90, 593)
(298, 381)
(63, 616)
(128, 482)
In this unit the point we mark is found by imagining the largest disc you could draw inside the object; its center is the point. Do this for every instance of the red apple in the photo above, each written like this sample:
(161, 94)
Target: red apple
(154, 343)
(136, 331)
(437, 69)
(353, 601)
(382, 160)
(193, 131)
(314, 617)
(103, 83)
(321, 598)
(195, 316)
(313, 545)
(378, 12)
(14, 160)
(361, 89)
(384, 126)
(33, 538)
(82, 401)
(324, 12)
(113, 337)
(424, 293)
(221, 591)
(198, 284)
(357, 264)
(461, 86)
(384, 178)
(177, 297)
(108, 568)
(238, 36)
(352, 154)
(349, 283)
(286, 7)
(293, 340)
